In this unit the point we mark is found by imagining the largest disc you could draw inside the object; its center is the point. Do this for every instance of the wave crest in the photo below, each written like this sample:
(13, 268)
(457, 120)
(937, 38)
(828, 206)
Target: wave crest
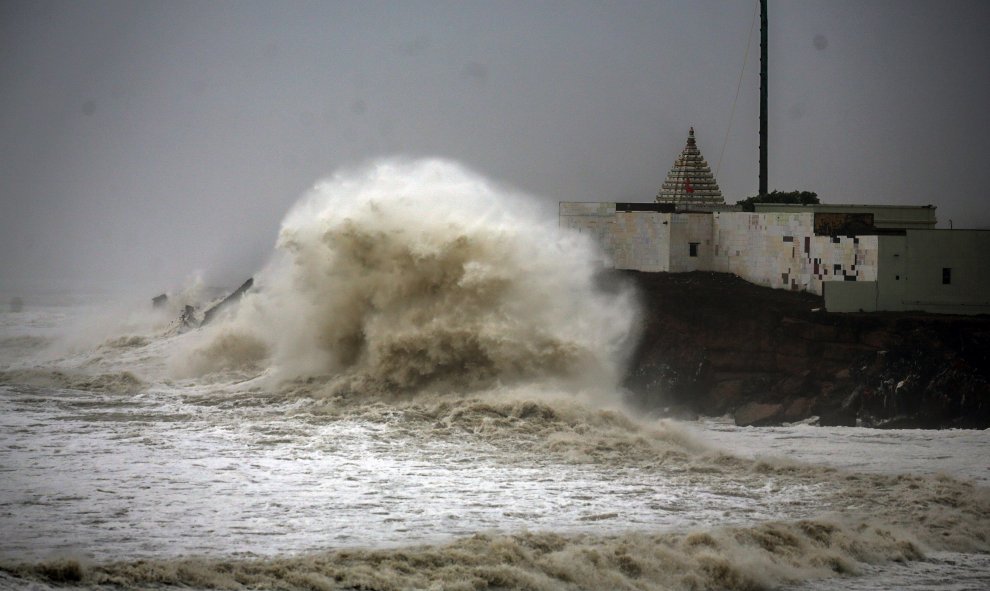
(412, 274)
(123, 382)
(757, 557)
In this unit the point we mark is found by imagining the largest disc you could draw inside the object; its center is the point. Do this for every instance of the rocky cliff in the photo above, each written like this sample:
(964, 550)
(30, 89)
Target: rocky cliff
(714, 344)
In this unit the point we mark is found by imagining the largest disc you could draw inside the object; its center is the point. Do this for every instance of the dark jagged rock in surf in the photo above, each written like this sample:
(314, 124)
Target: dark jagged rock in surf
(159, 301)
(715, 344)
(188, 318)
(16, 304)
(236, 296)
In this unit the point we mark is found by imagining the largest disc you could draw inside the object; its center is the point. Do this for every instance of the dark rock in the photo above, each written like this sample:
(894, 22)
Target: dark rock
(844, 412)
(234, 297)
(899, 422)
(188, 317)
(725, 395)
(793, 385)
(837, 419)
(159, 301)
(728, 389)
(755, 414)
(712, 342)
(798, 409)
(876, 339)
(852, 402)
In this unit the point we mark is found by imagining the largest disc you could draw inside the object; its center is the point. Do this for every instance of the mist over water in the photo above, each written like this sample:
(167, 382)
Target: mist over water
(409, 274)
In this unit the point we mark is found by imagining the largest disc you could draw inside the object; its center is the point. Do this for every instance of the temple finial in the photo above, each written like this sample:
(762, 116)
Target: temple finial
(690, 180)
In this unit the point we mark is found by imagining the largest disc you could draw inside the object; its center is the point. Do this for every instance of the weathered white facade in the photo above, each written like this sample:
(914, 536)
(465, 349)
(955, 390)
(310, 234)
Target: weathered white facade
(629, 240)
(691, 247)
(860, 257)
(778, 250)
(815, 249)
(781, 250)
(654, 241)
(942, 271)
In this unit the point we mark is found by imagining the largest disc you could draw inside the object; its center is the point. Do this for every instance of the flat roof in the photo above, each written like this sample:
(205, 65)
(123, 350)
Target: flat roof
(838, 205)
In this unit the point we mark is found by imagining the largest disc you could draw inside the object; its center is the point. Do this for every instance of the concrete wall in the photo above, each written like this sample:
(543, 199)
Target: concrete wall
(780, 250)
(641, 240)
(638, 240)
(891, 273)
(774, 249)
(884, 216)
(592, 219)
(843, 296)
(964, 253)
(910, 275)
(688, 228)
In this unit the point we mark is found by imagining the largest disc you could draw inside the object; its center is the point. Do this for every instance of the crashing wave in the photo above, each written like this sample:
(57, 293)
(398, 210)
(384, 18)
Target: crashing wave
(405, 275)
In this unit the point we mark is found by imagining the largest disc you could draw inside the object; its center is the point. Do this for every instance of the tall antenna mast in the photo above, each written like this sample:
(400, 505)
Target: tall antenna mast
(763, 98)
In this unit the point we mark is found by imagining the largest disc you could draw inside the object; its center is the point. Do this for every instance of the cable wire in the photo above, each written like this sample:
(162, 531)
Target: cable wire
(742, 70)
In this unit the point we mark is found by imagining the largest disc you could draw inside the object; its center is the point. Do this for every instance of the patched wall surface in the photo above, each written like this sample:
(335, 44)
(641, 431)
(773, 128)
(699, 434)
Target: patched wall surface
(781, 250)
(689, 229)
(635, 240)
(772, 249)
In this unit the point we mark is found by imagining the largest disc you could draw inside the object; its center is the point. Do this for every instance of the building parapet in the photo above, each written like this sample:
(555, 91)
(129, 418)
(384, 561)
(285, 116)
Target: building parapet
(884, 216)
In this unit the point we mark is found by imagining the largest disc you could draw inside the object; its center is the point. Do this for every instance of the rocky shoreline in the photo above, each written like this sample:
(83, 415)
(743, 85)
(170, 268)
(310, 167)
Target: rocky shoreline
(713, 344)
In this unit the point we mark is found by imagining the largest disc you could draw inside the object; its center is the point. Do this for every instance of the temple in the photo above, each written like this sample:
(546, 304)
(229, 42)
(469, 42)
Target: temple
(859, 257)
(690, 181)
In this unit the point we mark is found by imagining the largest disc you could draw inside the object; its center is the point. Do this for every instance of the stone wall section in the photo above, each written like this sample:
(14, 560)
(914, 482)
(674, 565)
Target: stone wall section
(595, 220)
(635, 240)
(688, 229)
(641, 241)
(772, 249)
(781, 250)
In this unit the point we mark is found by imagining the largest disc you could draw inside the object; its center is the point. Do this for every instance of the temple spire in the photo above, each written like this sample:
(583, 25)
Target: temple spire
(690, 181)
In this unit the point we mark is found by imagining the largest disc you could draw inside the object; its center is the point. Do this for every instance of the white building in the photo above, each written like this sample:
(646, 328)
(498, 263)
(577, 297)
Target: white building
(860, 257)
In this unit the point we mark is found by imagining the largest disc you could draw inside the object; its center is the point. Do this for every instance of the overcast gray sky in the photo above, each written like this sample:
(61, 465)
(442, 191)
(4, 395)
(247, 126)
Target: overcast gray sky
(144, 140)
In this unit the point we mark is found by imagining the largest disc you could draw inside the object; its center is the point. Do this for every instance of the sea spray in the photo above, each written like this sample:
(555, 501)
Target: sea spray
(408, 274)
(420, 277)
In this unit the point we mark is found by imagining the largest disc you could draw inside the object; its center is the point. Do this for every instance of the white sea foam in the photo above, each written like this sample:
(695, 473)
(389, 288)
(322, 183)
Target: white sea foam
(406, 274)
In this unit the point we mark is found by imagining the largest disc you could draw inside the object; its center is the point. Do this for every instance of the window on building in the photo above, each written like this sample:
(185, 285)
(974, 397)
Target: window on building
(946, 275)
(693, 248)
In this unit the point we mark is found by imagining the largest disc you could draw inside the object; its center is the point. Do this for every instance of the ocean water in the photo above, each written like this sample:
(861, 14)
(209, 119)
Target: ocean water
(429, 402)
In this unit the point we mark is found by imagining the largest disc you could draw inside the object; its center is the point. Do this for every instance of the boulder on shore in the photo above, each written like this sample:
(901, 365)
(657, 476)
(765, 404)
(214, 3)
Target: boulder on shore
(756, 414)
